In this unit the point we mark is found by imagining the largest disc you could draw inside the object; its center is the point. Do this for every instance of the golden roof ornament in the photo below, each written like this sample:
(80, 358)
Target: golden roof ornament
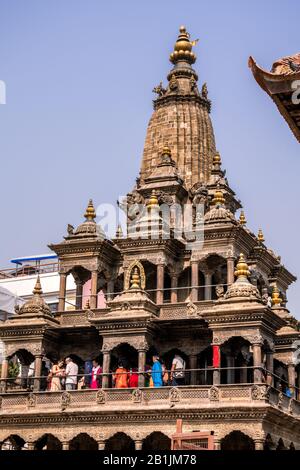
(183, 48)
(217, 159)
(135, 281)
(242, 219)
(260, 236)
(90, 213)
(218, 198)
(242, 269)
(276, 300)
(152, 201)
(166, 151)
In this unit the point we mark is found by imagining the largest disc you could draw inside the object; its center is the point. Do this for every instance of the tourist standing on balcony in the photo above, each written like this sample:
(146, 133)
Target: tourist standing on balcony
(71, 374)
(120, 377)
(177, 375)
(156, 372)
(133, 378)
(55, 375)
(96, 381)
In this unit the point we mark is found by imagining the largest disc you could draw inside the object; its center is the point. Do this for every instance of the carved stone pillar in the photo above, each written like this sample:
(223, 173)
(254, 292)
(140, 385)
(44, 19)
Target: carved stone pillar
(4, 373)
(94, 286)
(62, 292)
(257, 362)
(101, 445)
(259, 444)
(193, 365)
(230, 270)
(65, 445)
(230, 370)
(106, 366)
(79, 288)
(208, 286)
(194, 281)
(37, 372)
(270, 367)
(243, 373)
(138, 444)
(160, 284)
(110, 290)
(291, 377)
(174, 285)
(142, 365)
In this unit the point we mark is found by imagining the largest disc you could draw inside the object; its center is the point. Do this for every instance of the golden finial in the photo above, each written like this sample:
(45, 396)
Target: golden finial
(260, 236)
(218, 197)
(276, 300)
(153, 201)
(183, 48)
(166, 151)
(242, 269)
(242, 219)
(217, 159)
(135, 281)
(119, 232)
(37, 288)
(90, 213)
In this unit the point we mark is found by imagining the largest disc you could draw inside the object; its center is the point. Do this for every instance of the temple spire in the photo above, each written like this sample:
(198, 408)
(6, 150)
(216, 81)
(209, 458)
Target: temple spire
(38, 288)
(90, 213)
(242, 269)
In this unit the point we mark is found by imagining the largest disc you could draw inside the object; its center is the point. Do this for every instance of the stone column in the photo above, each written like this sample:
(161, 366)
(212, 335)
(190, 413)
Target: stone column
(30, 445)
(138, 444)
(79, 287)
(160, 284)
(94, 286)
(142, 365)
(230, 372)
(106, 366)
(270, 367)
(194, 281)
(101, 445)
(217, 444)
(208, 287)
(62, 292)
(37, 372)
(65, 445)
(259, 444)
(110, 290)
(4, 374)
(174, 285)
(230, 270)
(291, 377)
(193, 365)
(243, 373)
(257, 362)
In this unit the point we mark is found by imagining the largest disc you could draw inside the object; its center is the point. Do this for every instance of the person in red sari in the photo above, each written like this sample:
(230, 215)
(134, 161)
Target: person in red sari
(133, 378)
(96, 381)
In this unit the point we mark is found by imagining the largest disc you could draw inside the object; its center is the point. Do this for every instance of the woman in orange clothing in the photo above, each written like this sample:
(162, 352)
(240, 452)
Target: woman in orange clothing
(121, 377)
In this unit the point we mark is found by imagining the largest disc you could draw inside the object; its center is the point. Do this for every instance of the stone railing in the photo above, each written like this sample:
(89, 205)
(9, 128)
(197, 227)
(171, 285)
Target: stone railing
(187, 397)
(183, 311)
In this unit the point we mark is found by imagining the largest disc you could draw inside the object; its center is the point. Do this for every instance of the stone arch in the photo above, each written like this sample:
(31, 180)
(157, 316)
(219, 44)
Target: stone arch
(237, 440)
(13, 442)
(141, 269)
(120, 442)
(48, 442)
(83, 442)
(156, 441)
(236, 353)
(125, 352)
(184, 284)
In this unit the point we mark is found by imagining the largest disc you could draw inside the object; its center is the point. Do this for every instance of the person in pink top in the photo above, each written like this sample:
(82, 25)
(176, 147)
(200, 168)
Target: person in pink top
(96, 381)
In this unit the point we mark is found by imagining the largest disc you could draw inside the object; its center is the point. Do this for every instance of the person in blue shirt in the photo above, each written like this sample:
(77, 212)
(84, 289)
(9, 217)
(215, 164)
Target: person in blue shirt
(156, 372)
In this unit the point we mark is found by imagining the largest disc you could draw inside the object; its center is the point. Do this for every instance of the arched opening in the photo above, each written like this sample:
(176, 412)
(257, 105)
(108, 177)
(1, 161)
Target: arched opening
(167, 286)
(20, 370)
(205, 376)
(83, 442)
(215, 282)
(81, 277)
(126, 356)
(184, 285)
(120, 441)
(237, 440)
(280, 376)
(13, 442)
(280, 445)
(156, 441)
(168, 357)
(48, 442)
(237, 358)
(151, 279)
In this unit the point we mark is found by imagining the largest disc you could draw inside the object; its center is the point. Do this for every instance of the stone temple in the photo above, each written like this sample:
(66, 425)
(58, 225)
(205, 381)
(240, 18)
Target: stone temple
(215, 294)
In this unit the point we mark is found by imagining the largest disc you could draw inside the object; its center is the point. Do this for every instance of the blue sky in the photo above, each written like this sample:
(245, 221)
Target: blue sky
(79, 77)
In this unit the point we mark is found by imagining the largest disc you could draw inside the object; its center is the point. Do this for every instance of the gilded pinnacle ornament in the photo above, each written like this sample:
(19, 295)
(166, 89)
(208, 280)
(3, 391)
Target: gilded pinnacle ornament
(260, 236)
(276, 300)
(152, 201)
(37, 288)
(119, 232)
(218, 197)
(242, 219)
(135, 281)
(242, 269)
(90, 213)
(217, 159)
(183, 48)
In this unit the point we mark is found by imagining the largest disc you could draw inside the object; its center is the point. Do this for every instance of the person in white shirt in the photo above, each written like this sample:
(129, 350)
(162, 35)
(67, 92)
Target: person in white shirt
(71, 374)
(177, 375)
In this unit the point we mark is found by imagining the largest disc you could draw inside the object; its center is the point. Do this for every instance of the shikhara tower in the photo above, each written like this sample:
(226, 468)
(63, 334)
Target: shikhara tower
(222, 306)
